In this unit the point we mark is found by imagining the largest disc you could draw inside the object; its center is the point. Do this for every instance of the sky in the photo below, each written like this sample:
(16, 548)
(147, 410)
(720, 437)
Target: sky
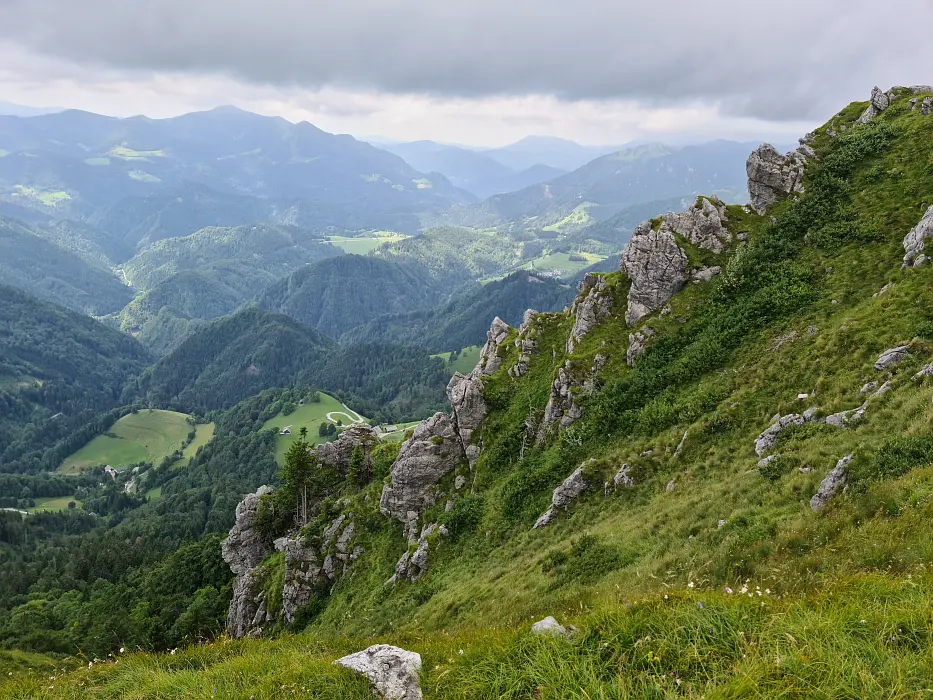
(481, 72)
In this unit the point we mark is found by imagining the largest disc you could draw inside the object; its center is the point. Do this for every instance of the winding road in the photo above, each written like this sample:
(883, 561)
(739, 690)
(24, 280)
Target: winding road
(350, 419)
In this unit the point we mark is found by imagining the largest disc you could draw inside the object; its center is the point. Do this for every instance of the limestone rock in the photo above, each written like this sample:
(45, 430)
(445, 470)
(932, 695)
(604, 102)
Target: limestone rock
(834, 482)
(657, 268)
(892, 357)
(926, 106)
(527, 344)
(844, 419)
(623, 477)
(339, 452)
(413, 565)
(561, 408)
(549, 626)
(636, 345)
(244, 549)
(489, 360)
(563, 496)
(771, 175)
(925, 371)
(392, 671)
(879, 103)
(703, 224)
(915, 240)
(247, 614)
(433, 451)
(469, 410)
(591, 305)
(768, 439)
(303, 574)
(705, 274)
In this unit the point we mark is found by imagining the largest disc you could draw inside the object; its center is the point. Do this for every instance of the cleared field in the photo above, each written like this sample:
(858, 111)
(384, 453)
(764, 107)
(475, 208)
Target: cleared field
(310, 416)
(399, 435)
(560, 264)
(367, 244)
(143, 176)
(154, 494)
(125, 153)
(47, 198)
(146, 436)
(465, 361)
(54, 503)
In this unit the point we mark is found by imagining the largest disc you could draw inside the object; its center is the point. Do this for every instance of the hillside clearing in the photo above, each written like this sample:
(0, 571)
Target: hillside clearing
(365, 244)
(53, 504)
(311, 415)
(560, 264)
(466, 359)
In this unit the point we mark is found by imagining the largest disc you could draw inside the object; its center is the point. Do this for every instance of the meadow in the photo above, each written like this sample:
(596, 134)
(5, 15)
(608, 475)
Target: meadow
(311, 415)
(364, 245)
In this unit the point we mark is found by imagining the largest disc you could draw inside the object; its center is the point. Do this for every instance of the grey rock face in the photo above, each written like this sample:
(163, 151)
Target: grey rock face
(563, 496)
(339, 452)
(703, 224)
(915, 241)
(926, 106)
(592, 305)
(892, 357)
(469, 411)
(623, 477)
(705, 274)
(489, 360)
(526, 342)
(393, 672)
(561, 408)
(549, 626)
(244, 549)
(772, 176)
(925, 371)
(636, 345)
(413, 565)
(834, 482)
(768, 439)
(433, 451)
(844, 419)
(657, 268)
(879, 103)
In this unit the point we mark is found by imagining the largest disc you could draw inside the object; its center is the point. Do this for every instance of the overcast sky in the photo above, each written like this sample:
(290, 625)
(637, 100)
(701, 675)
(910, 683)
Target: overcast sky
(472, 71)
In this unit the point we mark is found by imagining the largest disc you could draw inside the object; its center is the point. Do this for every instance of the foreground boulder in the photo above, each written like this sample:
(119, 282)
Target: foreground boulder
(433, 451)
(772, 176)
(832, 485)
(657, 268)
(915, 241)
(243, 550)
(549, 627)
(393, 672)
(892, 357)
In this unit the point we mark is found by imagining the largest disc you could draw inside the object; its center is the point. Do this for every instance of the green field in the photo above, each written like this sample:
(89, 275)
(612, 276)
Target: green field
(54, 503)
(465, 362)
(560, 264)
(309, 416)
(124, 153)
(578, 218)
(154, 494)
(146, 436)
(365, 244)
(143, 176)
(47, 198)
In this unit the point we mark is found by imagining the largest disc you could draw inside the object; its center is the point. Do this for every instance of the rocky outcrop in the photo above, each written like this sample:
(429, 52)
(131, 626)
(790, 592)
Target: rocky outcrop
(561, 408)
(879, 102)
(393, 672)
(339, 452)
(892, 357)
(310, 571)
(549, 627)
(527, 344)
(489, 360)
(563, 496)
(844, 419)
(469, 412)
(772, 176)
(433, 451)
(243, 550)
(703, 224)
(623, 477)
(414, 563)
(768, 439)
(834, 482)
(636, 345)
(657, 268)
(705, 274)
(915, 241)
(591, 305)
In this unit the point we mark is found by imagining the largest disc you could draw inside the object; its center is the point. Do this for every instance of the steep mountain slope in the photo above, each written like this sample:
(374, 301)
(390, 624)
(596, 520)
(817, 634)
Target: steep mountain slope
(338, 294)
(464, 321)
(58, 370)
(78, 164)
(605, 185)
(31, 262)
(717, 467)
(562, 154)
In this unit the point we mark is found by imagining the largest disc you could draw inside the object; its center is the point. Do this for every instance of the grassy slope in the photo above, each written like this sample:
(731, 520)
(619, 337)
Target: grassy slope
(309, 416)
(466, 360)
(146, 436)
(846, 597)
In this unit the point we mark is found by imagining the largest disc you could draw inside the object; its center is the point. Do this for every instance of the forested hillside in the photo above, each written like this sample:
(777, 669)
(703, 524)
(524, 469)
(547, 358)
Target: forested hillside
(58, 371)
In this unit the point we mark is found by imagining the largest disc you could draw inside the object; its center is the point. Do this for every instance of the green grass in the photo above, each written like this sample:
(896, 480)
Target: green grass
(365, 244)
(423, 183)
(125, 153)
(146, 436)
(48, 198)
(53, 504)
(203, 435)
(309, 416)
(97, 161)
(576, 219)
(154, 494)
(143, 176)
(465, 362)
(561, 265)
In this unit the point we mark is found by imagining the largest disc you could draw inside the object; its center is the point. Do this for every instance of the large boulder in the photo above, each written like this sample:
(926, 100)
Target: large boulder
(637, 343)
(703, 224)
(657, 268)
(243, 550)
(433, 451)
(832, 485)
(569, 490)
(769, 437)
(561, 408)
(591, 305)
(772, 176)
(339, 452)
(892, 357)
(393, 672)
(878, 103)
(489, 359)
(527, 344)
(469, 411)
(915, 241)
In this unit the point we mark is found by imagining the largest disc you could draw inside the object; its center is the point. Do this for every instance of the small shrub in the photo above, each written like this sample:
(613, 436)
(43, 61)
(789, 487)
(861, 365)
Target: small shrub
(778, 467)
(465, 516)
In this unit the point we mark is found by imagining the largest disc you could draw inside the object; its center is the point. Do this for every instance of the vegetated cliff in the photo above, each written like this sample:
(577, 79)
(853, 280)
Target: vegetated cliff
(715, 464)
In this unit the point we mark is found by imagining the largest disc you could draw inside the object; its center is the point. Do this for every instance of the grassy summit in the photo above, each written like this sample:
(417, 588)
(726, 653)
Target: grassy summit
(711, 576)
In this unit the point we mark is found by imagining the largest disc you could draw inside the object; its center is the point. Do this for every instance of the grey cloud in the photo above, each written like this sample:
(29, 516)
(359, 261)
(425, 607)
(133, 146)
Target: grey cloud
(797, 59)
